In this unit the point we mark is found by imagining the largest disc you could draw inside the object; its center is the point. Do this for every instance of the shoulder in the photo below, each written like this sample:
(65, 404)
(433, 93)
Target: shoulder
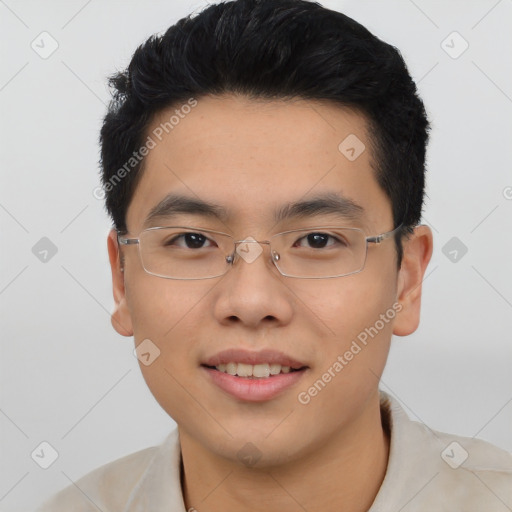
(477, 472)
(106, 488)
(435, 470)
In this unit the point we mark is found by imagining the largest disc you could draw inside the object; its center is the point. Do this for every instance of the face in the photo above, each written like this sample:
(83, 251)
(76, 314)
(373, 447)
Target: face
(252, 158)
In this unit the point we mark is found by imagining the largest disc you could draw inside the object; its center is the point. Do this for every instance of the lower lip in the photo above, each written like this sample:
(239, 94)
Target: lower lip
(254, 390)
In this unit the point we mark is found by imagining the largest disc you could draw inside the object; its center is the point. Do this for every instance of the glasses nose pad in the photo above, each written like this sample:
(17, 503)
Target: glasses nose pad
(275, 256)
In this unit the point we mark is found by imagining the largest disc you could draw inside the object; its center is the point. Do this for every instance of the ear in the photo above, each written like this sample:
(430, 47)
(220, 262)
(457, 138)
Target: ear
(121, 318)
(417, 251)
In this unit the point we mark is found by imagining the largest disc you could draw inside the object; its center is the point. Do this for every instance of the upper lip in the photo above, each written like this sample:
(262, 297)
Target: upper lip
(247, 357)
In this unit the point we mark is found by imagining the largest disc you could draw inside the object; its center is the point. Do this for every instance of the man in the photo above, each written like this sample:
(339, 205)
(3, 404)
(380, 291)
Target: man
(263, 164)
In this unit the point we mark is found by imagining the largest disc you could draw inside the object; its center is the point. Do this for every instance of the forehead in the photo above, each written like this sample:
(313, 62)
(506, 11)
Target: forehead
(254, 156)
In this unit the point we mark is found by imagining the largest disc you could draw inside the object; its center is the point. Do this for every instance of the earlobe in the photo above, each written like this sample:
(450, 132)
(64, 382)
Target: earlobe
(417, 251)
(120, 318)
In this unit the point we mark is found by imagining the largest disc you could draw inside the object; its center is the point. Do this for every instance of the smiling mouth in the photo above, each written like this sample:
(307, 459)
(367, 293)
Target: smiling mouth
(257, 371)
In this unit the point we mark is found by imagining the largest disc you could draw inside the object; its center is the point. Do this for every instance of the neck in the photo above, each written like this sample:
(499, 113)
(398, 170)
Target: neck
(343, 474)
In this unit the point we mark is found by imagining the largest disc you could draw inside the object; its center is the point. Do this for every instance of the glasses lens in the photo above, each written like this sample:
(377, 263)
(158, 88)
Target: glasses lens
(184, 252)
(320, 252)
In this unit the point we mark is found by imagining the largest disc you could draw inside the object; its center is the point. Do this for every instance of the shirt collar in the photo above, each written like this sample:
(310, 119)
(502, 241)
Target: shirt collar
(159, 487)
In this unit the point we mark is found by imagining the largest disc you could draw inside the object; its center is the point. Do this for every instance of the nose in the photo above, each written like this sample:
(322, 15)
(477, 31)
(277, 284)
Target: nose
(252, 292)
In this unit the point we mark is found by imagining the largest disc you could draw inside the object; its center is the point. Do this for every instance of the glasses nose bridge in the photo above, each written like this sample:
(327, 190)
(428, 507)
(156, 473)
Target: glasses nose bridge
(230, 258)
(250, 240)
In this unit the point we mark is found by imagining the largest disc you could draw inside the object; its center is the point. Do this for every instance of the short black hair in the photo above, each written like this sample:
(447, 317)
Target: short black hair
(270, 49)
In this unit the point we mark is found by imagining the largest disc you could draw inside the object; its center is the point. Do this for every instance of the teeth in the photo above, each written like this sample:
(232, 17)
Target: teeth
(230, 368)
(248, 370)
(244, 370)
(275, 369)
(261, 370)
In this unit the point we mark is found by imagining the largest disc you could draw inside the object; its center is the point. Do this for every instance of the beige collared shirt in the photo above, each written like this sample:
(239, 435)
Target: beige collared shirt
(427, 471)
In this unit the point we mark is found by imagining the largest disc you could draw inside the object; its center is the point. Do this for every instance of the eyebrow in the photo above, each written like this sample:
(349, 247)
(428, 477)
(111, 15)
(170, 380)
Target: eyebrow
(327, 203)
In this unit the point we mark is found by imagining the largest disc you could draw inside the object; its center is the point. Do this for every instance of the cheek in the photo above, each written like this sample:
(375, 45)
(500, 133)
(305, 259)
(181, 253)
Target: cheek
(165, 320)
(160, 307)
(353, 351)
(356, 322)
(344, 307)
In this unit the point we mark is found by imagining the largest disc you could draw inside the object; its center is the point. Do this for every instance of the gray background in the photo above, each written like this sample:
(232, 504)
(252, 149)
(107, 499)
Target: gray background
(69, 379)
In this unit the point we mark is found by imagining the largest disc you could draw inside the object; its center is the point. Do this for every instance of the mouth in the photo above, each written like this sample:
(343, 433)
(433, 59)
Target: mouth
(253, 376)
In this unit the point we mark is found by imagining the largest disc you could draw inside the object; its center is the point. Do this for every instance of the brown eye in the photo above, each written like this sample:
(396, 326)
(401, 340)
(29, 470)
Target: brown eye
(190, 240)
(318, 241)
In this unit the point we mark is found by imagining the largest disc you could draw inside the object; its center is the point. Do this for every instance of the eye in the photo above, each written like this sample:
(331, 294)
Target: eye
(188, 241)
(319, 241)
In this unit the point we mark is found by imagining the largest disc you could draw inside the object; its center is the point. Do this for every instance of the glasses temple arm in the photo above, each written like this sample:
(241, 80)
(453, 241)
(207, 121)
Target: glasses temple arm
(378, 239)
(127, 241)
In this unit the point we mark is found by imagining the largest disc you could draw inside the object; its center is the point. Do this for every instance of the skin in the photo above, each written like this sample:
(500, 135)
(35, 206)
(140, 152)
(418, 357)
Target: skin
(332, 453)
